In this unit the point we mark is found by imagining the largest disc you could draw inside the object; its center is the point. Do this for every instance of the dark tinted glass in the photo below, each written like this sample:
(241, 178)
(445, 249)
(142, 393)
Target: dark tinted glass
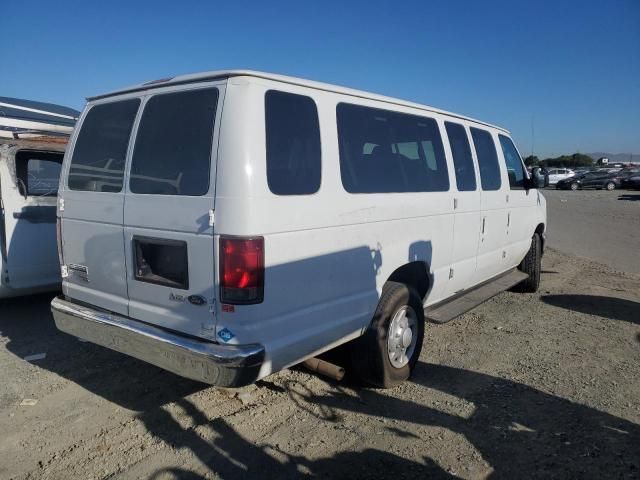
(38, 172)
(99, 155)
(293, 144)
(515, 169)
(462, 159)
(383, 151)
(172, 155)
(487, 159)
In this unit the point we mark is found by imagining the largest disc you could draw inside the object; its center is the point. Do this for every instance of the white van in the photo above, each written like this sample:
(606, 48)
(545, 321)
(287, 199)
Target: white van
(227, 225)
(29, 175)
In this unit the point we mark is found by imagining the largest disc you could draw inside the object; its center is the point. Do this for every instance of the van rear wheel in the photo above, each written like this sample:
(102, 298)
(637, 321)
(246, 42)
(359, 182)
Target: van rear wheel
(389, 350)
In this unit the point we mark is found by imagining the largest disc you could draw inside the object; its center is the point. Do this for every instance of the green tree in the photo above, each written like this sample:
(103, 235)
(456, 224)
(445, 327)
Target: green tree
(532, 161)
(575, 160)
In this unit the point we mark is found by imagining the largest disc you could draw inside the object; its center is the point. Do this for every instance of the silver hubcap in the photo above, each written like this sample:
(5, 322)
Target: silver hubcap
(402, 337)
(610, 186)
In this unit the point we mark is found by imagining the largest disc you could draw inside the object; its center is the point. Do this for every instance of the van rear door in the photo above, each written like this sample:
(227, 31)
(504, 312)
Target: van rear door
(91, 206)
(168, 211)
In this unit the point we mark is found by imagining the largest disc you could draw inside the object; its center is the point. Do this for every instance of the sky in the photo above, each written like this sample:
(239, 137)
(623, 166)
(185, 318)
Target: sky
(562, 76)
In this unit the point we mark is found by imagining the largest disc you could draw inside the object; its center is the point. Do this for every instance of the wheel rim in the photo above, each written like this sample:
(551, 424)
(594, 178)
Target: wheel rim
(610, 186)
(402, 336)
(574, 186)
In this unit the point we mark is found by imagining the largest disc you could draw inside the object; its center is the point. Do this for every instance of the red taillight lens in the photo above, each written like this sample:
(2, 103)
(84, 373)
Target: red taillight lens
(241, 270)
(59, 239)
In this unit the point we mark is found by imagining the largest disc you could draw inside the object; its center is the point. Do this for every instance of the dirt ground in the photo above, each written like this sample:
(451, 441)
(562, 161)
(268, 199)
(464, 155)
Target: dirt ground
(597, 224)
(526, 385)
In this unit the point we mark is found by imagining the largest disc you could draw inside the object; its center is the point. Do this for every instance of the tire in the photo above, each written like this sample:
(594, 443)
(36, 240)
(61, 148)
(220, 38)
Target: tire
(370, 356)
(531, 265)
(574, 186)
(610, 186)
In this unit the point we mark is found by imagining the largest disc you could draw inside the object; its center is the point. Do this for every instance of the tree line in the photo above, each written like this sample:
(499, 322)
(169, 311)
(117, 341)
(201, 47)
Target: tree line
(575, 160)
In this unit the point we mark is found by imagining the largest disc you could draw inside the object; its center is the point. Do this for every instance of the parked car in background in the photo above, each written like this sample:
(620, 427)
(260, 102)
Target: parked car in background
(596, 179)
(557, 174)
(631, 182)
(625, 174)
(227, 244)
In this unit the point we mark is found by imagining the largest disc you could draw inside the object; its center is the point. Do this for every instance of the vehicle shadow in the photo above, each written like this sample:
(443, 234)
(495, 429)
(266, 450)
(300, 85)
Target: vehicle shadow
(131, 383)
(631, 197)
(514, 427)
(229, 455)
(519, 431)
(607, 307)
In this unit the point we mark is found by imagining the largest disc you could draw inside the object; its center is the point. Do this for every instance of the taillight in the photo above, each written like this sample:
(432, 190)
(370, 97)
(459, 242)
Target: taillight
(241, 270)
(59, 239)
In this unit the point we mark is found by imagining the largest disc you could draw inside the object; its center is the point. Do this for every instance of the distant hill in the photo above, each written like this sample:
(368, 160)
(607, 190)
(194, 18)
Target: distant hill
(616, 157)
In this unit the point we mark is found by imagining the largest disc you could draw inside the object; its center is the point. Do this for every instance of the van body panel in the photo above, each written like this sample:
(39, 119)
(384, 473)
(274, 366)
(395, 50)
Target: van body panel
(467, 224)
(92, 221)
(344, 258)
(28, 231)
(183, 220)
(327, 254)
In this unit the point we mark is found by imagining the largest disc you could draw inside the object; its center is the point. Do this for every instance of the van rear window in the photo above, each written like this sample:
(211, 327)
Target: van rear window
(383, 151)
(97, 164)
(172, 154)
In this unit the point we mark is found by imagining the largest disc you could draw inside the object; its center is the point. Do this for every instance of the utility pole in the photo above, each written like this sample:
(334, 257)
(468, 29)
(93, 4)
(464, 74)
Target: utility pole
(533, 136)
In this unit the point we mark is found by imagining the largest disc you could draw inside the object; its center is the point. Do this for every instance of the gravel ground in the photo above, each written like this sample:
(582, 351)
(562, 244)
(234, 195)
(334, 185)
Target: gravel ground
(540, 385)
(597, 224)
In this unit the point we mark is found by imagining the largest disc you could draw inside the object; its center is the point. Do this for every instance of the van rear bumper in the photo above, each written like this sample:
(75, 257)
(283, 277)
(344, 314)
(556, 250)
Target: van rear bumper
(201, 360)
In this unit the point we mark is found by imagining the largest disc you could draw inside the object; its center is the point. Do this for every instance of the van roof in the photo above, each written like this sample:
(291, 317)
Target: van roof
(219, 74)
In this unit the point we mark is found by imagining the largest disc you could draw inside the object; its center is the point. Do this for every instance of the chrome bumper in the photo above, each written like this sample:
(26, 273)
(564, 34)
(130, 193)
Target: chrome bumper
(208, 362)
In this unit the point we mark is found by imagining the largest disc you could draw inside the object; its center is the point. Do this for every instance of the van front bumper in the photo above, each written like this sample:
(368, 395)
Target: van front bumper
(201, 360)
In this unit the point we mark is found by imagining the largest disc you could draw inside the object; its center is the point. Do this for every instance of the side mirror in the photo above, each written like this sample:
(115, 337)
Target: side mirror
(539, 178)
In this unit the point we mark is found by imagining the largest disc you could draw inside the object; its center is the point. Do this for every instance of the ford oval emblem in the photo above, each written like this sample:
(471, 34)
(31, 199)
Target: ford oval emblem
(197, 300)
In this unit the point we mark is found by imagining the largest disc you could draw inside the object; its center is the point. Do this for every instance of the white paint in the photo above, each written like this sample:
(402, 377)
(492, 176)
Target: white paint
(327, 255)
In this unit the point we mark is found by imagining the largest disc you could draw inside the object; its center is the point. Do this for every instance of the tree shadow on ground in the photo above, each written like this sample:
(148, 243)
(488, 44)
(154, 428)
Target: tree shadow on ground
(607, 307)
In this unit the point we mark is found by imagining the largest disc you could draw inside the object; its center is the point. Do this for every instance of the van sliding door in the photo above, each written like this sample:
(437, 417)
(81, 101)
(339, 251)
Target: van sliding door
(466, 211)
(492, 249)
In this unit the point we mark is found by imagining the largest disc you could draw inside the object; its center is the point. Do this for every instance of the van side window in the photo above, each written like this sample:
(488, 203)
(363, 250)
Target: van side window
(487, 159)
(293, 143)
(382, 151)
(462, 159)
(38, 173)
(172, 154)
(97, 164)
(515, 168)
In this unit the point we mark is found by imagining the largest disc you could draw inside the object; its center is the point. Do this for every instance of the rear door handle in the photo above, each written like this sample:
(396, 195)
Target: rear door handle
(483, 222)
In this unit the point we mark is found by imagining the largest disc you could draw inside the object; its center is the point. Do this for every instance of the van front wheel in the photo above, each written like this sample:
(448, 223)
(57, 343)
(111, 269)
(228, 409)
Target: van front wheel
(531, 265)
(388, 351)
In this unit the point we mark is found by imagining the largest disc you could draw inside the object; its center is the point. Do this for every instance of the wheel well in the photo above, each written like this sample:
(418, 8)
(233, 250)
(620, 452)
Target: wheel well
(415, 274)
(540, 230)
